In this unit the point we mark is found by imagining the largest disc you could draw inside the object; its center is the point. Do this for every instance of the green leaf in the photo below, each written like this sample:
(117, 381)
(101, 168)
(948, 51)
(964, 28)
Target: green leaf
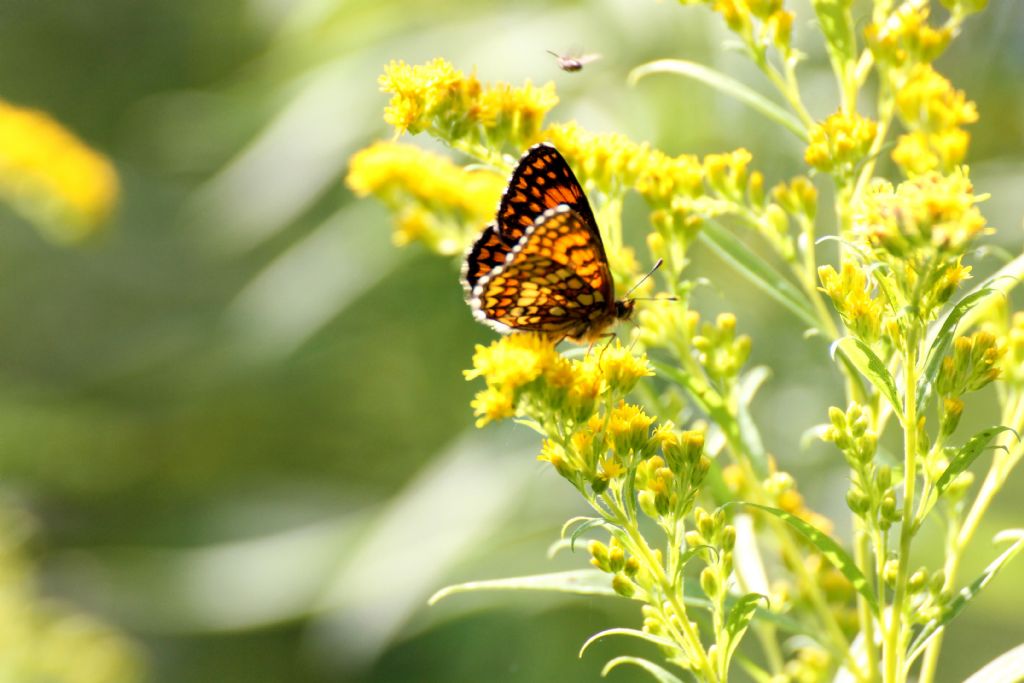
(739, 619)
(661, 675)
(837, 27)
(966, 594)
(724, 84)
(758, 271)
(1006, 668)
(943, 339)
(968, 453)
(643, 635)
(872, 367)
(828, 546)
(742, 612)
(590, 523)
(578, 581)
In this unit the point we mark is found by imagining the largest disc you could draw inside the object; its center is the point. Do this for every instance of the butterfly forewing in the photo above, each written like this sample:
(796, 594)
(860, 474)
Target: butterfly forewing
(541, 181)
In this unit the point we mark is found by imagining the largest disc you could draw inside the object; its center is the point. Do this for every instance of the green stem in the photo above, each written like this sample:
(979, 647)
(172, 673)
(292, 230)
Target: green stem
(894, 643)
(862, 555)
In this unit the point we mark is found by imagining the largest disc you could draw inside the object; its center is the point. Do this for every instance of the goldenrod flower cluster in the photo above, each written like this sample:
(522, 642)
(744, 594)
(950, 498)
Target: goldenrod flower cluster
(933, 111)
(438, 98)
(434, 201)
(858, 305)
(840, 143)
(905, 37)
(921, 229)
(52, 177)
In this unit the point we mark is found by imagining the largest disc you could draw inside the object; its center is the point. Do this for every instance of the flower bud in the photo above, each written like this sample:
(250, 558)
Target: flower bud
(709, 582)
(622, 585)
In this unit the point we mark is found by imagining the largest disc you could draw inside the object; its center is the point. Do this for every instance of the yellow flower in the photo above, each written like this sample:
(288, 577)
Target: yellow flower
(438, 98)
(492, 404)
(629, 428)
(621, 368)
(929, 101)
(515, 114)
(663, 178)
(851, 295)
(424, 91)
(611, 161)
(840, 142)
(727, 173)
(438, 203)
(905, 36)
(932, 210)
(52, 177)
(513, 361)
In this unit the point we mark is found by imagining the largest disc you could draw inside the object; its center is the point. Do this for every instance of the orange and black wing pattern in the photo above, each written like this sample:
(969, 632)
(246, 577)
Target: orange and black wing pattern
(554, 281)
(487, 253)
(542, 180)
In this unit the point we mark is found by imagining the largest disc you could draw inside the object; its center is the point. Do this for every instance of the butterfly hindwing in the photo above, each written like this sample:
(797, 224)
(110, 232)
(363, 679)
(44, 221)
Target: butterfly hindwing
(488, 252)
(554, 281)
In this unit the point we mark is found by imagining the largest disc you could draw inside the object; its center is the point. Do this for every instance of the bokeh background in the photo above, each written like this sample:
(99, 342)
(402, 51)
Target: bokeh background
(234, 426)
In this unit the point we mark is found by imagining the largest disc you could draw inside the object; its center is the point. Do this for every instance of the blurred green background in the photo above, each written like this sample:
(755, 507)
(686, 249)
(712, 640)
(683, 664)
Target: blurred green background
(239, 419)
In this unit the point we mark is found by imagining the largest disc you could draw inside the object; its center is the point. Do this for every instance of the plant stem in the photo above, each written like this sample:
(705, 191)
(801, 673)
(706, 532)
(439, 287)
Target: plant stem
(894, 642)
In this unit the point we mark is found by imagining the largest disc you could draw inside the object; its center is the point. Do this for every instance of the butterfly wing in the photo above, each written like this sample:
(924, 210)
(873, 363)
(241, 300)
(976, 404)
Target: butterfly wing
(555, 280)
(488, 252)
(542, 180)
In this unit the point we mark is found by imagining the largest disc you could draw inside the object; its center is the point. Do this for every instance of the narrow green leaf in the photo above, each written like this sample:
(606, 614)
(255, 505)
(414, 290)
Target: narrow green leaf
(724, 84)
(837, 27)
(661, 675)
(642, 635)
(872, 367)
(966, 594)
(738, 620)
(589, 524)
(742, 612)
(943, 339)
(578, 581)
(968, 453)
(1006, 668)
(758, 271)
(830, 548)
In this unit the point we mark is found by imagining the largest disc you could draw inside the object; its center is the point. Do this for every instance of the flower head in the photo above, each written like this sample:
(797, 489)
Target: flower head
(840, 142)
(437, 202)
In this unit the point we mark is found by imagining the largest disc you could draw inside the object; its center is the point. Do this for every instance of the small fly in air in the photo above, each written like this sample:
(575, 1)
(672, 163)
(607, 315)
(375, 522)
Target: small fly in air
(571, 63)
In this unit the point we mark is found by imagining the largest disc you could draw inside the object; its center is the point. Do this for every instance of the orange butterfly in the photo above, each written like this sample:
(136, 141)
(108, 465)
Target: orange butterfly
(541, 266)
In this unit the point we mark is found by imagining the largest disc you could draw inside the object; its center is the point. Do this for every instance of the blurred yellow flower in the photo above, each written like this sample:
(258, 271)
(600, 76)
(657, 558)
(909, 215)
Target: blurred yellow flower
(436, 201)
(513, 360)
(52, 177)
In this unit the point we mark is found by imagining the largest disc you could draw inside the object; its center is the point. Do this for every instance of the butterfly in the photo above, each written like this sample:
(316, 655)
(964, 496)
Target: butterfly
(570, 63)
(541, 266)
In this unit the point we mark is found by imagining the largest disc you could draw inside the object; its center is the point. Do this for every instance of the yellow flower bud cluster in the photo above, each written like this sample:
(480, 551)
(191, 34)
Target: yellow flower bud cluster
(852, 296)
(840, 143)
(973, 363)
(720, 350)
(435, 202)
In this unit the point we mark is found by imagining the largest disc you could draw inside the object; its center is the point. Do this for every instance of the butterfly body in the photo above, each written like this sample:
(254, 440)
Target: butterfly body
(541, 266)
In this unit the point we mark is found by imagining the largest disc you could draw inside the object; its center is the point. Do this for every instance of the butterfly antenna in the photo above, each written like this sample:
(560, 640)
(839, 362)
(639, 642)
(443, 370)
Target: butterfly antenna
(644, 278)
